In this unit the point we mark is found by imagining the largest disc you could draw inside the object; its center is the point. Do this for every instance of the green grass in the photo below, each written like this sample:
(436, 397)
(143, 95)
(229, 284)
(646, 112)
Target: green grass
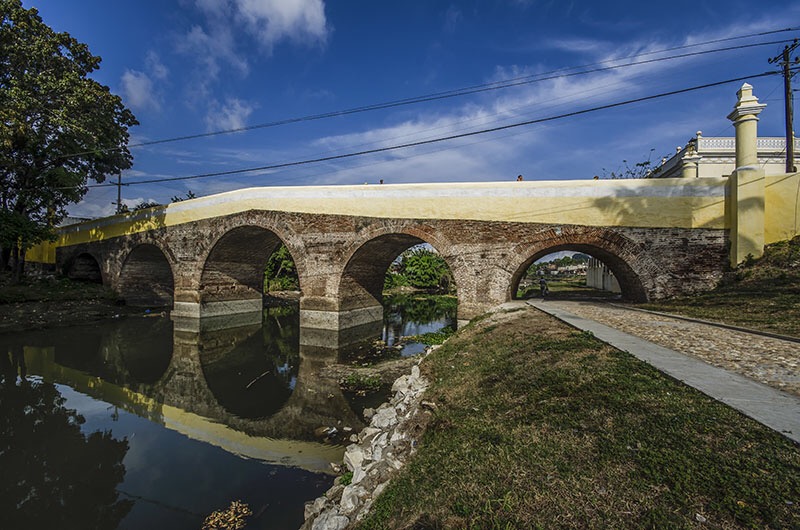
(565, 287)
(433, 337)
(540, 426)
(761, 294)
(50, 290)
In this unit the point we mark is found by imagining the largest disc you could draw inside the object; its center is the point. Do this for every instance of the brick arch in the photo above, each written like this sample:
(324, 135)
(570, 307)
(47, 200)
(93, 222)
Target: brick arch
(146, 277)
(84, 267)
(367, 260)
(233, 266)
(634, 270)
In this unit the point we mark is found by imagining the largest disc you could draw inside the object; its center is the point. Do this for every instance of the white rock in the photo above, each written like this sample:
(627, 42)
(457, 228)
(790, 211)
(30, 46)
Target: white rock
(400, 384)
(397, 435)
(379, 489)
(415, 371)
(359, 474)
(351, 498)
(330, 521)
(353, 456)
(378, 445)
(367, 433)
(314, 507)
(384, 418)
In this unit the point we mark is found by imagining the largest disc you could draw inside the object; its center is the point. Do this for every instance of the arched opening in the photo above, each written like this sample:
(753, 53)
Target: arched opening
(576, 270)
(146, 278)
(403, 281)
(245, 264)
(252, 370)
(84, 268)
(145, 347)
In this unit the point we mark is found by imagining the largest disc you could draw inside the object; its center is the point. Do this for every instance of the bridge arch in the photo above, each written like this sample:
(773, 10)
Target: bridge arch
(146, 277)
(84, 267)
(361, 283)
(634, 271)
(233, 270)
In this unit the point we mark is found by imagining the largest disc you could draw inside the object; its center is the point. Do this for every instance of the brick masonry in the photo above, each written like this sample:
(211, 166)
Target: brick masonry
(341, 260)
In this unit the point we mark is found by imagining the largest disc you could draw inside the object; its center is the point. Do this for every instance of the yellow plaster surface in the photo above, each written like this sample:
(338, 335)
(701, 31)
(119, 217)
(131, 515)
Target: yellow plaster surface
(747, 213)
(645, 203)
(782, 210)
(307, 455)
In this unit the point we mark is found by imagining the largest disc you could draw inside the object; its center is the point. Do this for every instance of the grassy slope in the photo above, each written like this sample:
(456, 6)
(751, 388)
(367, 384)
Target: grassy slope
(763, 294)
(540, 426)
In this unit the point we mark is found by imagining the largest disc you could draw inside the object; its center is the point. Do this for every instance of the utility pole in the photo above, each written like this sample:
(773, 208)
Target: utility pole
(119, 192)
(785, 61)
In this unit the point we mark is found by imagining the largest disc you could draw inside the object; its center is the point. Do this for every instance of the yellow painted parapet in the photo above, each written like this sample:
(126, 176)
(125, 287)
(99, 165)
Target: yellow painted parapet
(44, 252)
(652, 203)
(746, 213)
(663, 203)
(782, 209)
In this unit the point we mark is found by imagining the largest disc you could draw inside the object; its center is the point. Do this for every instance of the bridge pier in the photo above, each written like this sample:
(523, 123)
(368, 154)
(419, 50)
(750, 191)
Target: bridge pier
(217, 309)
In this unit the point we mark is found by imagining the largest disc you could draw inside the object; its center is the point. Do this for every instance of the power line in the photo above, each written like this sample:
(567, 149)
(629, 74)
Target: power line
(474, 89)
(440, 139)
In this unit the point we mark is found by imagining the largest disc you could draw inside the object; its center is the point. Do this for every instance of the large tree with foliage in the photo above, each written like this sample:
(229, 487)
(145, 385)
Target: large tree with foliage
(58, 128)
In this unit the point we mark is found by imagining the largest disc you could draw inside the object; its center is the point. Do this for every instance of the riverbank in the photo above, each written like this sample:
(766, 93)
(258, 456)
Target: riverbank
(536, 425)
(35, 304)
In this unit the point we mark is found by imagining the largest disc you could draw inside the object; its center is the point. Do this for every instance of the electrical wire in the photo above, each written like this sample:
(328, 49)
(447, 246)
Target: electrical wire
(474, 89)
(439, 139)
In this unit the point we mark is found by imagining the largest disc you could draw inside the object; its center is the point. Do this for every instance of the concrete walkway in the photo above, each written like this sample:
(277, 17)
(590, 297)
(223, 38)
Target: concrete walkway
(775, 409)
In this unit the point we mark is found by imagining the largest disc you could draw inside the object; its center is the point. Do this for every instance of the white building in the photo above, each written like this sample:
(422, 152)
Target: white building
(715, 156)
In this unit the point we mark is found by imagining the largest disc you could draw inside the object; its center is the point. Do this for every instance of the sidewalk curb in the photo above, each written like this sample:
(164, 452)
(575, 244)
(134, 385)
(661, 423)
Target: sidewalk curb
(771, 407)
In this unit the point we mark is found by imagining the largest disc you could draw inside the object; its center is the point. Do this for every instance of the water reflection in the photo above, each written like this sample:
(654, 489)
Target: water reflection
(252, 370)
(202, 412)
(409, 314)
(54, 475)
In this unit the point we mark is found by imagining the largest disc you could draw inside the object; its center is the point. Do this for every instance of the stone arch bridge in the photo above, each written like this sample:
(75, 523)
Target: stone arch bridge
(206, 257)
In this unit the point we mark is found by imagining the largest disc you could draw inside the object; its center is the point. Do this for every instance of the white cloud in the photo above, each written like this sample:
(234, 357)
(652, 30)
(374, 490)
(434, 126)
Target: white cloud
(273, 20)
(232, 114)
(452, 18)
(155, 66)
(138, 91)
(220, 38)
(139, 88)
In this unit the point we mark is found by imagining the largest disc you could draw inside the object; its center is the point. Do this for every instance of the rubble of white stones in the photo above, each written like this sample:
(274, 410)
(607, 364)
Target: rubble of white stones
(378, 452)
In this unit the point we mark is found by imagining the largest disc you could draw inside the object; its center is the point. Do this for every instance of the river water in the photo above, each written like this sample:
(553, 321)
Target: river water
(145, 422)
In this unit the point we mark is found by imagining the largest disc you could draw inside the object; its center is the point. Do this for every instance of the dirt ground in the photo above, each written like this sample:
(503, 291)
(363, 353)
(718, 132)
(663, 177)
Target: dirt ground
(51, 313)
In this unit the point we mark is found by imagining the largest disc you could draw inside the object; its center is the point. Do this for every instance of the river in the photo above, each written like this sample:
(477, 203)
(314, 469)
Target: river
(145, 422)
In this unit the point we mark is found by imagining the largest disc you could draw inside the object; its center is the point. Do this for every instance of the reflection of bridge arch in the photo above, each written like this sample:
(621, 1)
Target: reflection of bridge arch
(245, 379)
(630, 264)
(146, 277)
(175, 392)
(314, 401)
(232, 272)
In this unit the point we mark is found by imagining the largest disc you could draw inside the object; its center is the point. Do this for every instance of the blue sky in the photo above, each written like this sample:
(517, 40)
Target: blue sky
(193, 66)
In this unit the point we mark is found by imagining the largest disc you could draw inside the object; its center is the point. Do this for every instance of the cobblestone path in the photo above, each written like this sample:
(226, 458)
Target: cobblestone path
(771, 361)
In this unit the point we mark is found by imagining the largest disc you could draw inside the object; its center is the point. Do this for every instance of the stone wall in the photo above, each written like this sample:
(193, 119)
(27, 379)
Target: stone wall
(341, 260)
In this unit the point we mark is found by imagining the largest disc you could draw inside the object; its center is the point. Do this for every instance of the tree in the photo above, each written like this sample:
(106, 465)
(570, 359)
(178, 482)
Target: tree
(58, 129)
(422, 268)
(54, 475)
(280, 274)
(640, 170)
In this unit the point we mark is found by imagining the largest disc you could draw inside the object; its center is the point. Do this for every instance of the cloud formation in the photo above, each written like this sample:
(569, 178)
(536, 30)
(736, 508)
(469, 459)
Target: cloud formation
(273, 20)
(138, 91)
(139, 88)
(232, 114)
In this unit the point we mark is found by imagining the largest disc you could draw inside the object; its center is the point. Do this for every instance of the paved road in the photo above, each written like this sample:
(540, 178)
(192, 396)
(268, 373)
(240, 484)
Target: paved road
(759, 376)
